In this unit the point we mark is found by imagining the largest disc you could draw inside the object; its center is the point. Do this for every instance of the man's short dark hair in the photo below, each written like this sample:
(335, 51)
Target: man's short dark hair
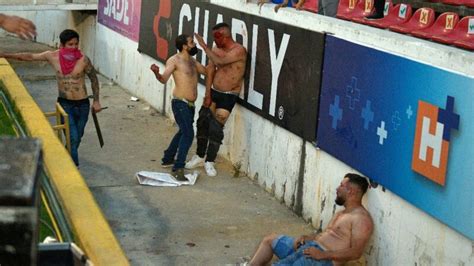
(68, 35)
(359, 181)
(181, 40)
(221, 25)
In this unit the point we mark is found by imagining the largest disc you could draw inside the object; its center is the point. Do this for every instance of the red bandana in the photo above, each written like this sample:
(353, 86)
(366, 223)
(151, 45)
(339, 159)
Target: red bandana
(68, 58)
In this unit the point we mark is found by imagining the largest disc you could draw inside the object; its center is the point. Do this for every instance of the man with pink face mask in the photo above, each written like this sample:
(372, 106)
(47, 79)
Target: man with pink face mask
(70, 66)
(226, 71)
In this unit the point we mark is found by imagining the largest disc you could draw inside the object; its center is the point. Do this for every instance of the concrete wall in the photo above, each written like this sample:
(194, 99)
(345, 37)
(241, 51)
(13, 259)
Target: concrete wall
(301, 176)
(43, 2)
(404, 234)
(49, 24)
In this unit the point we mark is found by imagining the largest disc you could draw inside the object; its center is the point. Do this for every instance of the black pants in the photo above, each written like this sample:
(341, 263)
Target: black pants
(210, 134)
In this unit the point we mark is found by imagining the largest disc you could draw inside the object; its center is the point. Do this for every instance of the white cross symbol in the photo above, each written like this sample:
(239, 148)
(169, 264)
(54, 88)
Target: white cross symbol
(381, 132)
(409, 112)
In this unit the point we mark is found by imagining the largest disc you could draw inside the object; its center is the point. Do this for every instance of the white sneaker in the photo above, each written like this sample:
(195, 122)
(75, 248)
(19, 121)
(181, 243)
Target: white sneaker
(194, 162)
(210, 170)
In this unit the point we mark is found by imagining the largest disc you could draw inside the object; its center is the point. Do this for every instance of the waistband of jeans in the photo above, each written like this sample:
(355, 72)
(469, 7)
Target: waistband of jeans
(189, 103)
(323, 248)
(64, 100)
(226, 92)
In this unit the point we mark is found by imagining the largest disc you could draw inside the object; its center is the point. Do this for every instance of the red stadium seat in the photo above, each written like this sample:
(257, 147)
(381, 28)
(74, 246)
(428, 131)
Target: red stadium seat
(387, 7)
(467, 43)
(397, 15)
(363, 9)
(346, 7)
(443, 25)
(452, 2)
(469, 3)
(423, 18)
(462, 31)
(311, 6)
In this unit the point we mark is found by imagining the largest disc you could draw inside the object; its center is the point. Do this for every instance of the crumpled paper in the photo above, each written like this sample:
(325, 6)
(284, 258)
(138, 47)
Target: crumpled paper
(158, 179)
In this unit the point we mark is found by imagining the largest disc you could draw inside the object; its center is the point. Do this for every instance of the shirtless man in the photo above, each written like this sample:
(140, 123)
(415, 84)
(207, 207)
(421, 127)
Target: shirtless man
(226, 72)
(184, 69)
(343, 240)
(23, 28)
(71, 67)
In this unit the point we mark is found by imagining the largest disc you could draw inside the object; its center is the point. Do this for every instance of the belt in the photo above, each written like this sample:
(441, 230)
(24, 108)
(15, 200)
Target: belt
(227, 92)
(189, 103)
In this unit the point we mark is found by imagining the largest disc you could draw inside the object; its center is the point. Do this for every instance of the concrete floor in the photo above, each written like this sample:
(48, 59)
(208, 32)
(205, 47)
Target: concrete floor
(215, 222)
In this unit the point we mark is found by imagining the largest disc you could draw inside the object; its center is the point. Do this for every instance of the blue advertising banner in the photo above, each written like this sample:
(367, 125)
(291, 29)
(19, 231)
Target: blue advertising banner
(406, 125)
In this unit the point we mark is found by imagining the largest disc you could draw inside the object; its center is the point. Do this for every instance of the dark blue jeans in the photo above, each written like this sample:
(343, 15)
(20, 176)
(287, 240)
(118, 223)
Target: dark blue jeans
(181, 142)
(78, 112)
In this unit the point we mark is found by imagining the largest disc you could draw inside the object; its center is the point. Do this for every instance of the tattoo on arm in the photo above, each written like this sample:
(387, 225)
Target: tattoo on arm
(92, 74)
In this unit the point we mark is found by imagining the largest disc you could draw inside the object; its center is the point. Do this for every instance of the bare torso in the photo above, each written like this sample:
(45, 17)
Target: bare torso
(338, 234)
(185, 77)
(71, 86)
(229, 77)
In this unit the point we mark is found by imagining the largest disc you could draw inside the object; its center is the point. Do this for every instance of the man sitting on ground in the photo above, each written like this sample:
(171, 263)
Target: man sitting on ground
(343, 240)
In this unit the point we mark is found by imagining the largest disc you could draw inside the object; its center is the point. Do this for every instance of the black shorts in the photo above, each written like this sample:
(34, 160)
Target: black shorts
(223, 100)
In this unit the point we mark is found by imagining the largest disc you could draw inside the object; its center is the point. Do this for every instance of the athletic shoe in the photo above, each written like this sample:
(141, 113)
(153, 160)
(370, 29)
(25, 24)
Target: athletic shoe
(210, 170)
(179, 175)
(167, 164)
(194, 162)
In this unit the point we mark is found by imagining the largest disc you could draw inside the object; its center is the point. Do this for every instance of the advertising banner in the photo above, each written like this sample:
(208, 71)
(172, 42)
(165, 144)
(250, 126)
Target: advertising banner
(122, 16)
(283, 70)
(404, 124)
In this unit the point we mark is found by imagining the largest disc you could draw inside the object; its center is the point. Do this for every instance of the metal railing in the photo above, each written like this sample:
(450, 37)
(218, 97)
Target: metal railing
(62, 125)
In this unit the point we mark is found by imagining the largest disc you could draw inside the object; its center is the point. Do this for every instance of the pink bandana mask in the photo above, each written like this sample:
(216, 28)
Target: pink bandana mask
(68, 58)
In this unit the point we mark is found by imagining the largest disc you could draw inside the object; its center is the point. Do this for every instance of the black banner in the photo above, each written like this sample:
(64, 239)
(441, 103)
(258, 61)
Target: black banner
(283, 74)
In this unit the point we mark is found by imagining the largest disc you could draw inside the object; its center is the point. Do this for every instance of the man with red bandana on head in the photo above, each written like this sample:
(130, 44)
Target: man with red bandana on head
(225, 75)
(70, 66)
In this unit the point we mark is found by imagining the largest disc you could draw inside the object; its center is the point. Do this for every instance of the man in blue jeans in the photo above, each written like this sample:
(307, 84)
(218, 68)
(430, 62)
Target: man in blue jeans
(185, 69)
(343, 240)
(70, 66)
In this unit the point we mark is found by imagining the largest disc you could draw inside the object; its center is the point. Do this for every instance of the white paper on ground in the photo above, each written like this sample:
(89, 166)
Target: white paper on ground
(164, 179)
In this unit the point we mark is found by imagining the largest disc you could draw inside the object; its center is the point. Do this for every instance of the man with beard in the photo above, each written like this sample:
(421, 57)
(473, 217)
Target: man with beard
(343, 240)
(184, 69)
(70, 66)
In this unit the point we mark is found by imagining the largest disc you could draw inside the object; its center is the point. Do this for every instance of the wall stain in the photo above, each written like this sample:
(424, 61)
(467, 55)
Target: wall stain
(382, 213)
(298, 202)
(237, 172)
(323, 204)
(425, 260)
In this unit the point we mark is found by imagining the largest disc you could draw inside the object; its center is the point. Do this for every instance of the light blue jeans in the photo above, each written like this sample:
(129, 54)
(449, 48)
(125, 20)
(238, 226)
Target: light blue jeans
(283, 248)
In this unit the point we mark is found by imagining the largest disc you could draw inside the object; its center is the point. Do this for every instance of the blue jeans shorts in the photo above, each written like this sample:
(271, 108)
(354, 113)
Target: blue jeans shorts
(283, 248)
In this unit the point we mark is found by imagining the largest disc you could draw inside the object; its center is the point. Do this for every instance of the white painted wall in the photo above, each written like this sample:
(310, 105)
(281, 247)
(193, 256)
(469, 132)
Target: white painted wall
(404, 235)
(49, 24)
